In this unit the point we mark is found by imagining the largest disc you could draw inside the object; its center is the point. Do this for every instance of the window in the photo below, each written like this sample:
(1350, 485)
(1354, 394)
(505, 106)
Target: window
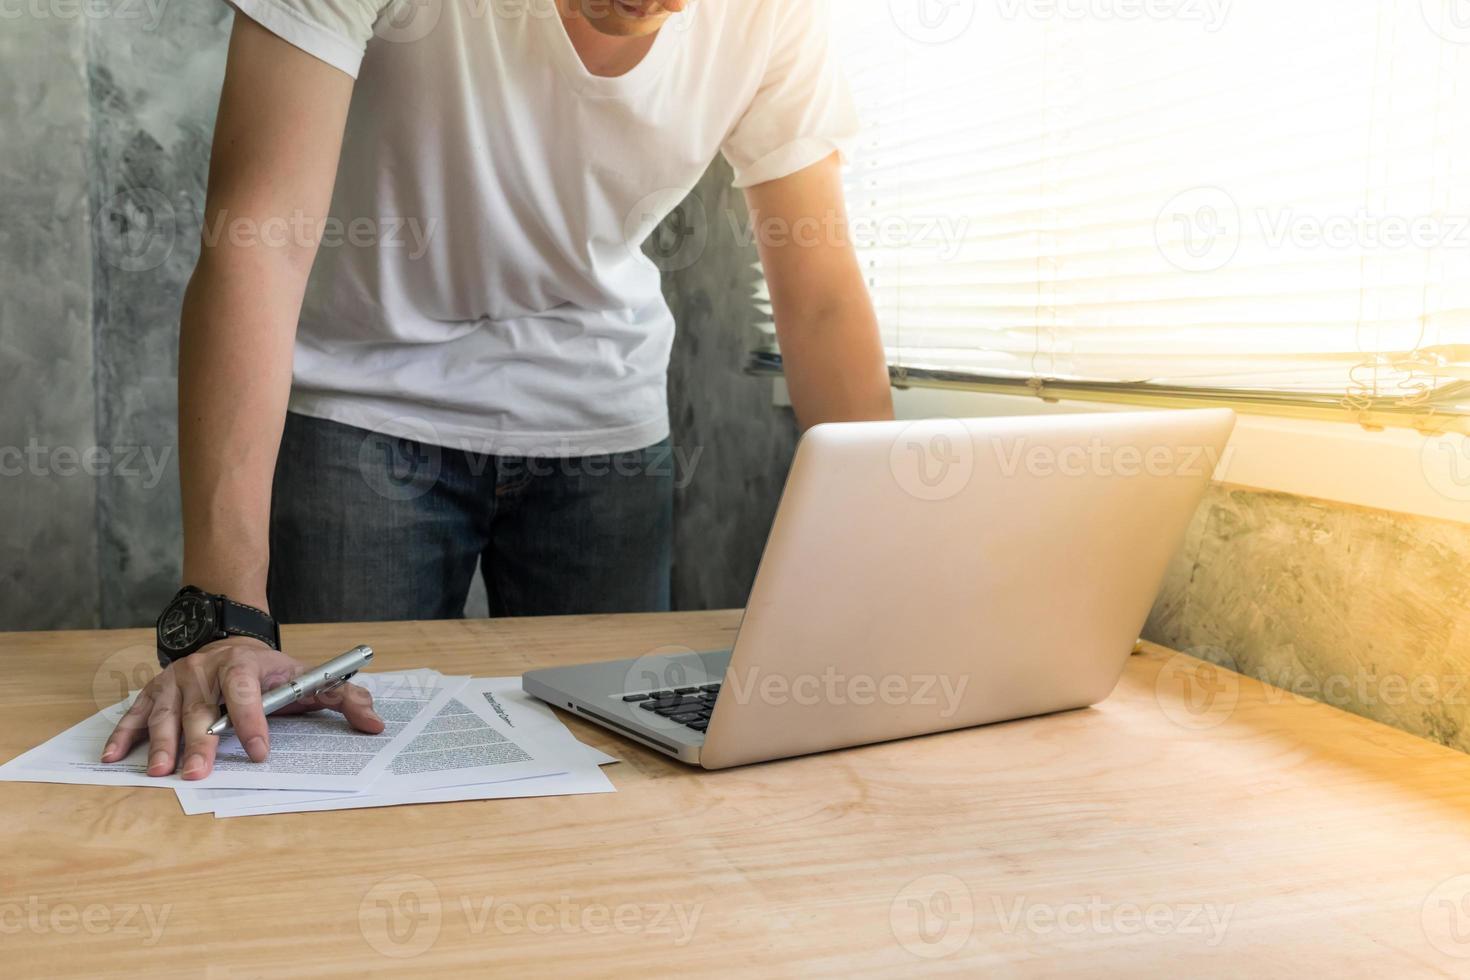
(1255, 201)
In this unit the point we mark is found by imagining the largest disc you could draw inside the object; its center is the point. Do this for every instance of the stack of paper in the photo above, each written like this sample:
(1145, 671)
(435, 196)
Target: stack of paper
(446, 738)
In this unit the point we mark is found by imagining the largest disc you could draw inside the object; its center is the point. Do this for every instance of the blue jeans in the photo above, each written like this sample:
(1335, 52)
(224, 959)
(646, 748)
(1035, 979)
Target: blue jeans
(370, 527)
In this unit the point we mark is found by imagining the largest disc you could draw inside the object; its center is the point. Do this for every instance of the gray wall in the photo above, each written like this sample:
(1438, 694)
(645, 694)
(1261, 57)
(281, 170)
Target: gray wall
(107, 118)
(1363, 609)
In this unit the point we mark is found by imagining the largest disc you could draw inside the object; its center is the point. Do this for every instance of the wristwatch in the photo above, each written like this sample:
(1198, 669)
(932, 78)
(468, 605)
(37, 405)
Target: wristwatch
(195, 618)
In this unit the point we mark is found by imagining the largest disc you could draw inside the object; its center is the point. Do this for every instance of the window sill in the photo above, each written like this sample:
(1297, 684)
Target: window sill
(1394, 469)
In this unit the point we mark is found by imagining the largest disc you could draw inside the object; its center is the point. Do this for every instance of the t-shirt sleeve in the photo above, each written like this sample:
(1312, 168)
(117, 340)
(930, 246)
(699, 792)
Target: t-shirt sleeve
(803, 110)
(334, 31)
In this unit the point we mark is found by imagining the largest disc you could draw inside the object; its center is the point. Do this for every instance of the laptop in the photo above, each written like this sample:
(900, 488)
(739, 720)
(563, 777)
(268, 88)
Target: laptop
(923, 577)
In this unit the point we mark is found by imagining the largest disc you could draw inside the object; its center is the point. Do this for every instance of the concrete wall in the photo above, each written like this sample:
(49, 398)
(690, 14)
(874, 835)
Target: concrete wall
(1363, 609)
(107, 117)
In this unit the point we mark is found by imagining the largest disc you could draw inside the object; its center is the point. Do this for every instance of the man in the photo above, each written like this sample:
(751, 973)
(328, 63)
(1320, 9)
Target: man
(518, 341)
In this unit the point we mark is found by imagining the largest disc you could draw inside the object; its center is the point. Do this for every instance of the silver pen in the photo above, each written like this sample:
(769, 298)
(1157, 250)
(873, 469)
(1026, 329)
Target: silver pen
(332, 674)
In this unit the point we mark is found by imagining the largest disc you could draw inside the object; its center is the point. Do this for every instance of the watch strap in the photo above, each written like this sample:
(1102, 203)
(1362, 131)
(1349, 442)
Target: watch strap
(238, 619)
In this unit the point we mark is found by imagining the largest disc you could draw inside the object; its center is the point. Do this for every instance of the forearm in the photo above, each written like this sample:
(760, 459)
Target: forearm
(834, 366)
(235, 352)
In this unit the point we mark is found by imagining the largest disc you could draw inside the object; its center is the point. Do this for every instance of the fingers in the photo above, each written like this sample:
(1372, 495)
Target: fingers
(163, 728)
(130, 728)
(354, 702)
(200, 708)
(240, 681)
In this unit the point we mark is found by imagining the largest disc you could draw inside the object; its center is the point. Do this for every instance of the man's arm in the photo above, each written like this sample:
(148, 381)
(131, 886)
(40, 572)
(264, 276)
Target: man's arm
(276, 145)
(830, 347)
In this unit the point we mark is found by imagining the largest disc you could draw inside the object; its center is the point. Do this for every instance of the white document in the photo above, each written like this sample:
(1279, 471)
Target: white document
(491, 742)
(319, 751)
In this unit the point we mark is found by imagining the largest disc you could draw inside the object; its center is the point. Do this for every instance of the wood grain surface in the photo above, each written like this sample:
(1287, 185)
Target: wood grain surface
(1197, 823)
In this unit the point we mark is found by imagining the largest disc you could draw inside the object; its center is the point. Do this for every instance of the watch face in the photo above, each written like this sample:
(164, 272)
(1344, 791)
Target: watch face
(188, 621)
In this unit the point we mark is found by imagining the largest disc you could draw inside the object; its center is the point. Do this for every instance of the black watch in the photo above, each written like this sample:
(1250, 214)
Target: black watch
(195, 618)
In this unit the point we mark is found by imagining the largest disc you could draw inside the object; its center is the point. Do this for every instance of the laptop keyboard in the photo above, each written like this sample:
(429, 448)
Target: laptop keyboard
(687, 706)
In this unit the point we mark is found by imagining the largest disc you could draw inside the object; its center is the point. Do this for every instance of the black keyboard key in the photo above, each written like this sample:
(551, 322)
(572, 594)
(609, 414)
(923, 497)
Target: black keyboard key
(675, 709)
(636, 697)
(684, 719)
(685, 690)
(649, 705)
(662, 694)
(712, 688)
(699, 725)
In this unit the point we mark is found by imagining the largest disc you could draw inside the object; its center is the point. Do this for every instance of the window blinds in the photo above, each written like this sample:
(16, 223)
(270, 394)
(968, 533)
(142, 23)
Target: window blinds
(1251, 198)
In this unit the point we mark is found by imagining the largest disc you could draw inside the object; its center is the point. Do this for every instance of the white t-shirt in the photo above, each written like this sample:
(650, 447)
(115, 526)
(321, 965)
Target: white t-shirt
(482, 284)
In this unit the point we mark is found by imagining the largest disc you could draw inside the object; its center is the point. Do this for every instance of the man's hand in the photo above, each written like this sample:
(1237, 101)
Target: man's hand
(185, 700)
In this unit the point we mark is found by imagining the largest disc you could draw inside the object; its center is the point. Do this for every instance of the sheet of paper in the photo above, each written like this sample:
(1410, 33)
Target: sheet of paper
(589, 780)
(504, 712)
(465, 743)
(225, 802)
(319, 752)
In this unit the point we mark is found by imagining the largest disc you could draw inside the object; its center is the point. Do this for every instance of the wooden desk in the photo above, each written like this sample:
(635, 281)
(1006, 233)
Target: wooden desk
(1195, 824)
